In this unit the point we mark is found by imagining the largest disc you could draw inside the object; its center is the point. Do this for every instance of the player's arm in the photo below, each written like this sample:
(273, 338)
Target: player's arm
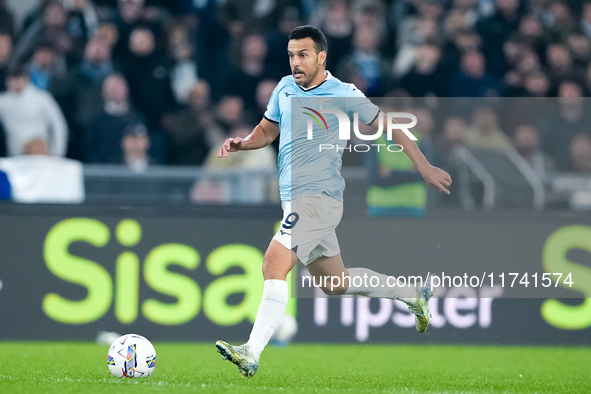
(262, 135)
(434, 176)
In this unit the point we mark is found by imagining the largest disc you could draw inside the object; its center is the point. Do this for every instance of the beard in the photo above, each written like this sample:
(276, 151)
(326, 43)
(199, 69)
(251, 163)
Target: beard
(306, 82)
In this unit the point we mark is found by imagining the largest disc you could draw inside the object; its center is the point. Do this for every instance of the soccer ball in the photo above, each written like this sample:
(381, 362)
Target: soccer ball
(131, 356)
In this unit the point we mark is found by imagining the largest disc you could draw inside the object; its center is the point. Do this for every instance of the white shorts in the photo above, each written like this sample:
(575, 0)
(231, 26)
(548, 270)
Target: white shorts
(308, 226)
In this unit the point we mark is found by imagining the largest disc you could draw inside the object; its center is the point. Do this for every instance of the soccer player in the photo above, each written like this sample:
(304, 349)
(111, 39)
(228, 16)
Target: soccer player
(314, 184)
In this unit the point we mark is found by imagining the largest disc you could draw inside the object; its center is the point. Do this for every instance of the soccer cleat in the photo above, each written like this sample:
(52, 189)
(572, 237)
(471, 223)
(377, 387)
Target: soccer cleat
(240, 356)
(421, 308)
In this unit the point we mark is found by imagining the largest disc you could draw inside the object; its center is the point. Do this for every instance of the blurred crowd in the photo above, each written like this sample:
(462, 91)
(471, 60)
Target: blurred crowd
(138, 82)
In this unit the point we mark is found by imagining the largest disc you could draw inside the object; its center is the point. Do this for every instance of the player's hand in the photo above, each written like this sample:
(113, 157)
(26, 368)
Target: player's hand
(437, 178)
(231, 145)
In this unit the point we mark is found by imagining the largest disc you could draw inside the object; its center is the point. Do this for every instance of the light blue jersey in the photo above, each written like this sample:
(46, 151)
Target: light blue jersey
(303, 168)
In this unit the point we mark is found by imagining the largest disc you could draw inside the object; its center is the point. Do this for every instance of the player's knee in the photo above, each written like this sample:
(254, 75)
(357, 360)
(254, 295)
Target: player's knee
(272, 270)
(276, 263)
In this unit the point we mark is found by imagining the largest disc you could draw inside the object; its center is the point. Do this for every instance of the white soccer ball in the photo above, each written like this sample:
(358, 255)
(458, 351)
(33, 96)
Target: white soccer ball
(131, 356)
(285, 331)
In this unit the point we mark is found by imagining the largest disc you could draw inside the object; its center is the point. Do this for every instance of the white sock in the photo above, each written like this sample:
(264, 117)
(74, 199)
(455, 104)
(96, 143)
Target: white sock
(361, 286)
(269, 314)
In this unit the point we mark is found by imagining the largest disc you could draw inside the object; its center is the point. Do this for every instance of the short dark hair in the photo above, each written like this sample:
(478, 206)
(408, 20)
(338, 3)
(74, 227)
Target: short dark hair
(312, 32)
(18, 71)
(44, 45)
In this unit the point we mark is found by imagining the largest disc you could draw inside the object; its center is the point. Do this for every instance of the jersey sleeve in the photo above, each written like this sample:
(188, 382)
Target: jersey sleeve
(357, 102)
(272, 112)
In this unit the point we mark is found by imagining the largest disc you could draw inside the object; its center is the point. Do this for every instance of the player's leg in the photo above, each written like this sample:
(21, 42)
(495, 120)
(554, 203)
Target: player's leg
(351, 281)
(358, 281)
(277, 263)
(329, 267)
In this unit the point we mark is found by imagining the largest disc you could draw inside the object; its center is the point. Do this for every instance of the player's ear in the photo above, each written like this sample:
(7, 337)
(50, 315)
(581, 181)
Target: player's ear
(322, 57)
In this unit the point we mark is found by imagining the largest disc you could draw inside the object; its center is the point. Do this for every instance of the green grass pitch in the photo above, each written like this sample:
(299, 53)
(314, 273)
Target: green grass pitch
(72, 367)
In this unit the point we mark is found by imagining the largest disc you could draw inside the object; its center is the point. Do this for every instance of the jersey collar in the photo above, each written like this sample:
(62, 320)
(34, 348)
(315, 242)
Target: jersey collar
(328, 76)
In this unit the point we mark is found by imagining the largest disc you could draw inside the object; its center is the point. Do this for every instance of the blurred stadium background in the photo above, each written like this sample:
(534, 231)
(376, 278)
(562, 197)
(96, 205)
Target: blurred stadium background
(116, 217)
